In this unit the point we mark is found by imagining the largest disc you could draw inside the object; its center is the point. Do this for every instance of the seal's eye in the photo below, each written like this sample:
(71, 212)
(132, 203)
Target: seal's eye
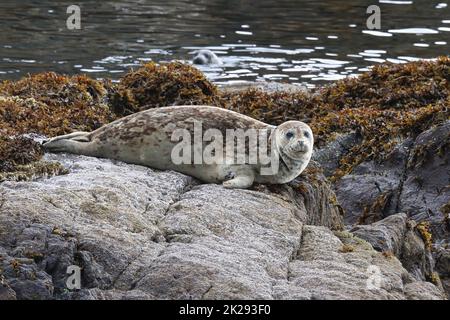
(289, 134)
(306, 134)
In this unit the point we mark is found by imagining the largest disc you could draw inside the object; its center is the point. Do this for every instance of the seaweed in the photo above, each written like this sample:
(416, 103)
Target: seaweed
(347, 248)
(376, 211)
(34, 170)
(158, 85)
(53, 104)
(45, 104)
(386, 105)
(271, 107)
(18, 151)
(393, 86)
(424, 231)
(388, 254)
(434, 278)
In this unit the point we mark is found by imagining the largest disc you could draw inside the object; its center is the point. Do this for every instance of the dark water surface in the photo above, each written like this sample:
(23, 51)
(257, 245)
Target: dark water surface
(301, 41)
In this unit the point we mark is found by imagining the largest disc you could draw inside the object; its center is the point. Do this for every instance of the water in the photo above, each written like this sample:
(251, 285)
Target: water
(304, 41)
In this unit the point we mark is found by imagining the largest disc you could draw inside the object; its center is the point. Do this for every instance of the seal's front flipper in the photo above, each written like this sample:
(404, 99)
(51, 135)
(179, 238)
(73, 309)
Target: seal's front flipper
(242, 180)
(71, 143)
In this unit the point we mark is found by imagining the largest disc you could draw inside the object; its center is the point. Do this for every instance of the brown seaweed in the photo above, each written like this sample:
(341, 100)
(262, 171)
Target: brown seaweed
(385, 105)
(166, 84)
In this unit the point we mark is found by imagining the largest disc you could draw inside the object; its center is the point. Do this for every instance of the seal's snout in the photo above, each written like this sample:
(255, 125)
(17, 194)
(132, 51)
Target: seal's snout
(206, 57)
(199, 60)
(300, 146)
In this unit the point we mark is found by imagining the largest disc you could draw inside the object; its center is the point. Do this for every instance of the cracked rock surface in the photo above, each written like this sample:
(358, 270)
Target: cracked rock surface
(138, 233)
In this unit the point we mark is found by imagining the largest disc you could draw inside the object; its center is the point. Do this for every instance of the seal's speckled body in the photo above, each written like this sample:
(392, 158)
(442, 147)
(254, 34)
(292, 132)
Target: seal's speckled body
(145, 138)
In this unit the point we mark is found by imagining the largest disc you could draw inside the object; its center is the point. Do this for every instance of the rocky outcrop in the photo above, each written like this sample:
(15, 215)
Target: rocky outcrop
(413, 179)
(330, 155)
(442, 257)
(138, 233)
(386, 235)
(398, 235)
(426, 189)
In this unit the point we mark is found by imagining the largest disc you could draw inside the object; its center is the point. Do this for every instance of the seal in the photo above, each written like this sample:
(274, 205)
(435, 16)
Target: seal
(206, 57)
(212, 144)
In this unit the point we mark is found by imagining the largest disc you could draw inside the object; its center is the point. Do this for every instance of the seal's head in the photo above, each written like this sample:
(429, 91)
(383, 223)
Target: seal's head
(294, 141)
(206, 57)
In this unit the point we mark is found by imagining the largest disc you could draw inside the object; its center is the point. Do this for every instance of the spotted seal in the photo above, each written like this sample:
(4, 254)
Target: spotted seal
(212, 144)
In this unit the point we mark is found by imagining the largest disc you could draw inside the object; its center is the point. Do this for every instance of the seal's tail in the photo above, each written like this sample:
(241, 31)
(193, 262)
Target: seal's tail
(76, 142)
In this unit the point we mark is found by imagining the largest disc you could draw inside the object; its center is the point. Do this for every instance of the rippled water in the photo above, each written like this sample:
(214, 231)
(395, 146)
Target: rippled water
(301, 41)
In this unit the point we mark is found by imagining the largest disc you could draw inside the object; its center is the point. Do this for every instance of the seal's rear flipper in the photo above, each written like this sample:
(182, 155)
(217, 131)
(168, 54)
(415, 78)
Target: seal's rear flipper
(72, 143)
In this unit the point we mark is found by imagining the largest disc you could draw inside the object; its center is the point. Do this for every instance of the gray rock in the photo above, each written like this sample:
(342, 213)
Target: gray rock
(97, 294)
(386, 235)
(397, 235)
(415, 255)
(443, 261)
(413, 179)
(314, 195)
(425, 189)
(370, 193)
(138, 233)
(340, 266)
(423, 291)
(6, 292)
(442, 257)
(330, 155)
(24, 279)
